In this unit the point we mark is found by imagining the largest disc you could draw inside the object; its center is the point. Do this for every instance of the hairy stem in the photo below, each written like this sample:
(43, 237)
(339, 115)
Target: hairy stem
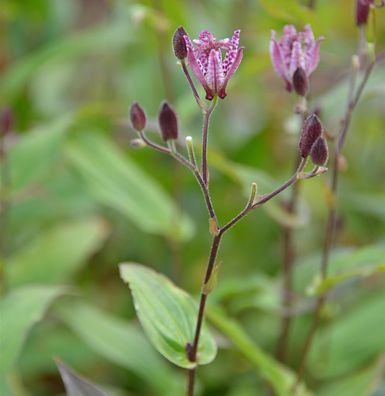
(353, 99)
(205, 135)
(185, 162)
(191, 83)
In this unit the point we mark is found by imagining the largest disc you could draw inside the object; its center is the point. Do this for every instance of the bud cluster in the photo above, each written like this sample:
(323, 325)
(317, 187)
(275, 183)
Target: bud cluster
(312, 142)
(168, 122)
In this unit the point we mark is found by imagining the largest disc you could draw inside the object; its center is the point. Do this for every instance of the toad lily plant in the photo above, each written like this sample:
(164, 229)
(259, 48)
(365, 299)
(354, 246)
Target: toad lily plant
(171, 319)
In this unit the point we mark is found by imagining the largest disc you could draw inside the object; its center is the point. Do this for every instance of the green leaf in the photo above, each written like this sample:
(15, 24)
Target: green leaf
(33, 155)
(356, 334)
(57, 253)
(116, 181)
(336, 280)
(20, 310)
(125, 343)
(50, 339)
(279, 377)
(167, 314)
(358, 384)
(256, 291)
(76, 385)
(343, 263)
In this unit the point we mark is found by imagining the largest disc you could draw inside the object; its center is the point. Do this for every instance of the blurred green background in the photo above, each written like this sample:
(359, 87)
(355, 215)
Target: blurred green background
(81, 200)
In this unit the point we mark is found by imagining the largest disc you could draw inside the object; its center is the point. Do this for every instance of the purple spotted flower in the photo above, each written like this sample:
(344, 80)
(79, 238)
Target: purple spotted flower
(295, 50)
(205, 60)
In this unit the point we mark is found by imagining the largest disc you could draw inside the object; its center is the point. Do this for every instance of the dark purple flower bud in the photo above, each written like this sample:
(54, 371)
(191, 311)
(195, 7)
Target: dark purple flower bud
(301, 82)
(168, 122)
(311, 131)
(319, 152)
(362, 11)
(6, 121)
(179, 43)
(138, 117)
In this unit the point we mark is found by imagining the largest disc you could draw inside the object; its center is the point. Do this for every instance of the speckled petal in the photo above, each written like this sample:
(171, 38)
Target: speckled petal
(215, 75)
(276, 57)
(232, 51)
(297, 59)
(195, 65)
(312, 57)
(222, 92)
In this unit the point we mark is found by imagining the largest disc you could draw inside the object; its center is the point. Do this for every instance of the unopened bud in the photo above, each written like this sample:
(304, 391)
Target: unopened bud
(319, 152)
(6, 121)
(362, 11)
(356, 62)
(138, 117)
(168, 122)
(301, 82)
(311, 131)
(137, 143)
(178, 43)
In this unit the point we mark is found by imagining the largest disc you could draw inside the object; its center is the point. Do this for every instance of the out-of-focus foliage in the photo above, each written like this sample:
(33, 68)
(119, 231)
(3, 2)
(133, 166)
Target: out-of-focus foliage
(81, 200)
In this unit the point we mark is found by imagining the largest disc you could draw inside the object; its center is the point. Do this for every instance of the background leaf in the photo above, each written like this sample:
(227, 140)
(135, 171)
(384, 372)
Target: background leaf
(116, 181)
(279, 377)
(121, 343)
(20, 310)
(42, 143)
(62, 249)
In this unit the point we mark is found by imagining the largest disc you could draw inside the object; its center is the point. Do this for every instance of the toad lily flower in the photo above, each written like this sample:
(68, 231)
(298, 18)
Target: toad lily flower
(294, 51)
(205, 60)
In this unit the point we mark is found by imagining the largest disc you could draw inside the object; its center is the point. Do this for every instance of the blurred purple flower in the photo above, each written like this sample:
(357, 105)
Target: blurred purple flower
(205, 60)
(294, 50)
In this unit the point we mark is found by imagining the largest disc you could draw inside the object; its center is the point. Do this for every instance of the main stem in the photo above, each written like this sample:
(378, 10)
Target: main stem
(332, 215)
(202, 305)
